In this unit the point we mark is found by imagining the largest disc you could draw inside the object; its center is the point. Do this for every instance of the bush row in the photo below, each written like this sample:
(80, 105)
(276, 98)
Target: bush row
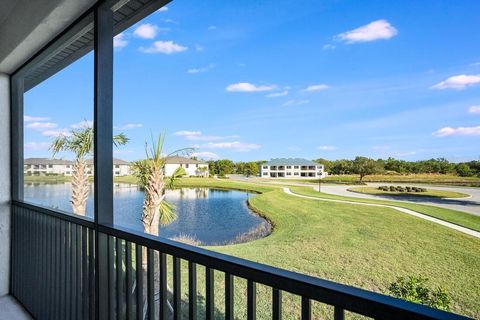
(401, 189)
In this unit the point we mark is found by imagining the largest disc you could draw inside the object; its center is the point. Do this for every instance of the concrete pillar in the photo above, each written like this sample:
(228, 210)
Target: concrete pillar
(4, 183)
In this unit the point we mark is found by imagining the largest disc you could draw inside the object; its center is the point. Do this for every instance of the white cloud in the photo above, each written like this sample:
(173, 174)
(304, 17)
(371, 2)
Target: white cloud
(41, 125)
(212, 27)
(166, 47)
(198, 136)
(249, 87)
(146, 31)
(316, 87)
(381, 148)
(460, 131)
(119, 152)
(294, 102)
(405, 153)
(329, 47)
(119, 41)
(199, 48)
(474, 109)
(327, 148)
(376, 30)
(129, 126)
(163, 9)
(57, 133)
(277, 94)
(36, 146)
(205, 155)
(458, 82)
(30, 118)
(186, 133)
(475, 64)
(82, 124)
(200, 70)
(235, 146)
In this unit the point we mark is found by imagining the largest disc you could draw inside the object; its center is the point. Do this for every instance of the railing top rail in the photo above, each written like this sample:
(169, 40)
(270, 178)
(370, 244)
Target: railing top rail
(357, 300)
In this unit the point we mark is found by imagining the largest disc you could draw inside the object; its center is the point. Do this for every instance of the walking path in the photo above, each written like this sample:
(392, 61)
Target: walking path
(407, 211)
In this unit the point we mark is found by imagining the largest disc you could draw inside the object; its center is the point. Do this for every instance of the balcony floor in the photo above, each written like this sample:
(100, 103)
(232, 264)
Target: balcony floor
(10, 309)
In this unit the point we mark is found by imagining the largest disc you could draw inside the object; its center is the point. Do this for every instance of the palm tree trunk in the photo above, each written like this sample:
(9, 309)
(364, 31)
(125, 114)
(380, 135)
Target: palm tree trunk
(80, 187)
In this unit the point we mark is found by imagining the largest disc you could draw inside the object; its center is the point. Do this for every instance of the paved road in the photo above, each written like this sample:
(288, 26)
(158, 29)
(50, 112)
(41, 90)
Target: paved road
(468, 231)
(470, 205)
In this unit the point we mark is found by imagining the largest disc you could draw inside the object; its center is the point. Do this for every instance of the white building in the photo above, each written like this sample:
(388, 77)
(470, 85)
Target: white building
(292, 168)
(45, 166)
(193, 168)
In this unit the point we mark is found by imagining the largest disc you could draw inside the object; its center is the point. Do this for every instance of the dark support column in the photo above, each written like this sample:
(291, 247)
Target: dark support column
(103, 162)
(16, 109)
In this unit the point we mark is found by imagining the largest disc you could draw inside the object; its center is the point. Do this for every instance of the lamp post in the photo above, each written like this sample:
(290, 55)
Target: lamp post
(320, 183)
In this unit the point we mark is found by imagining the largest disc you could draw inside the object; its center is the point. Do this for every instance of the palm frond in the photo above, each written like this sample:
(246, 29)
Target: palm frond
(178, 173)
(167, 213)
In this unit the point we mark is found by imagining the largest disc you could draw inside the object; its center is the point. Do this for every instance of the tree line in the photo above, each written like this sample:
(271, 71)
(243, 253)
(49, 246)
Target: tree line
(360, 165)
(395, 166)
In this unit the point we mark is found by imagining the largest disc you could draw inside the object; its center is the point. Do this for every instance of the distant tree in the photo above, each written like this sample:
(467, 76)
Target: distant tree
(251, 169)
(327, 164)
(224, 167)
(463, 170)
(364, 166)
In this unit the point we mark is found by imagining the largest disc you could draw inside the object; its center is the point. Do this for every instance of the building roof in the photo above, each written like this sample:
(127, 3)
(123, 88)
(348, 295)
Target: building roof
(116, 161)
(182, 160)
(290, 162)
(30, 161)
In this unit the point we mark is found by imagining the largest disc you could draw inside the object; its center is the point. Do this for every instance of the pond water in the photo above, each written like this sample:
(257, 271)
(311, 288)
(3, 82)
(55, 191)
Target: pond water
(211, 216)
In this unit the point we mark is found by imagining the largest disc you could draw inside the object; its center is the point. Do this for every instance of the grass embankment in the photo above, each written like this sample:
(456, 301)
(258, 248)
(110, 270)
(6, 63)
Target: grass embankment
(429, 193)
(458, 217)
(438, 179)
(46, 179)
(367, 247)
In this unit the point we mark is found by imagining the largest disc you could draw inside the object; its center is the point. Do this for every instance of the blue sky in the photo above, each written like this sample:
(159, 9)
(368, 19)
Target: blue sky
(254, 80)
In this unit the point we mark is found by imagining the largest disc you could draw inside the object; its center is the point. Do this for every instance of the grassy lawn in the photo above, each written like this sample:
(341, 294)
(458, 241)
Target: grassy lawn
(438, 179)
(458, 217)
(46, 179)
(429, 193)
(367, 247)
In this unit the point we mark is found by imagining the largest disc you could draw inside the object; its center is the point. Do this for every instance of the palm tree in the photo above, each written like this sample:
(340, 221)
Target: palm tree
(151, 177)
(80, 142)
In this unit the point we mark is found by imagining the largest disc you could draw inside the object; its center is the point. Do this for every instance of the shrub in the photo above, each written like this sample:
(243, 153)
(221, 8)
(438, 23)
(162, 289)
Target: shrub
(392, 188)
(400, 189)
(415, 289)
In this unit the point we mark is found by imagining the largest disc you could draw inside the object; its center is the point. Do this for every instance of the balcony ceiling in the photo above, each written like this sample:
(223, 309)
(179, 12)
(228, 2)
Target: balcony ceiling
(26, 26)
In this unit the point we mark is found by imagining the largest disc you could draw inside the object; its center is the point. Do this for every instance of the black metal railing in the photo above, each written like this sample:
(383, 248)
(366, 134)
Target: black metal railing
(147, 277)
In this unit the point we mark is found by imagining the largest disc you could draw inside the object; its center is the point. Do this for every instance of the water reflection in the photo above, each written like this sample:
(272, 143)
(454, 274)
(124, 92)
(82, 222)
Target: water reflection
(212, 216)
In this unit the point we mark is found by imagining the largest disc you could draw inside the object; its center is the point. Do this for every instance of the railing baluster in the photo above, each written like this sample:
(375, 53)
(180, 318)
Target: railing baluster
(58, 277)
(251, 300)
(209, 293)
(73, 270)
(177, 284)
(151, 284)
(139, 267)
(120, 281)
(111, 277)
(229, 300)
(338, 313)
(306, 308)
(163, 287)
(85, 291)
(276, 304)
(128, 292)
(68, 263)
(192, 291)
(92, 297)
(79, 275)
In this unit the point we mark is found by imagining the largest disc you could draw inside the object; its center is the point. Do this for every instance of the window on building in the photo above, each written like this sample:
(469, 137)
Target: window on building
(295, 173)
(296, 167)
(289, 167)
(50, 166)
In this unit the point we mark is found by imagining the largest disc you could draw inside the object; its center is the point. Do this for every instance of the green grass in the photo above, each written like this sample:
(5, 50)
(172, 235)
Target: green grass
(46, 179)
(429, 193)
(367, 247)
(458, 217)
(438, 179)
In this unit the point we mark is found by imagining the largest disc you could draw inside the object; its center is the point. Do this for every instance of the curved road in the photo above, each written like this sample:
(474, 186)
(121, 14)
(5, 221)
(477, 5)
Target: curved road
(468, 231)
(470, 204)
